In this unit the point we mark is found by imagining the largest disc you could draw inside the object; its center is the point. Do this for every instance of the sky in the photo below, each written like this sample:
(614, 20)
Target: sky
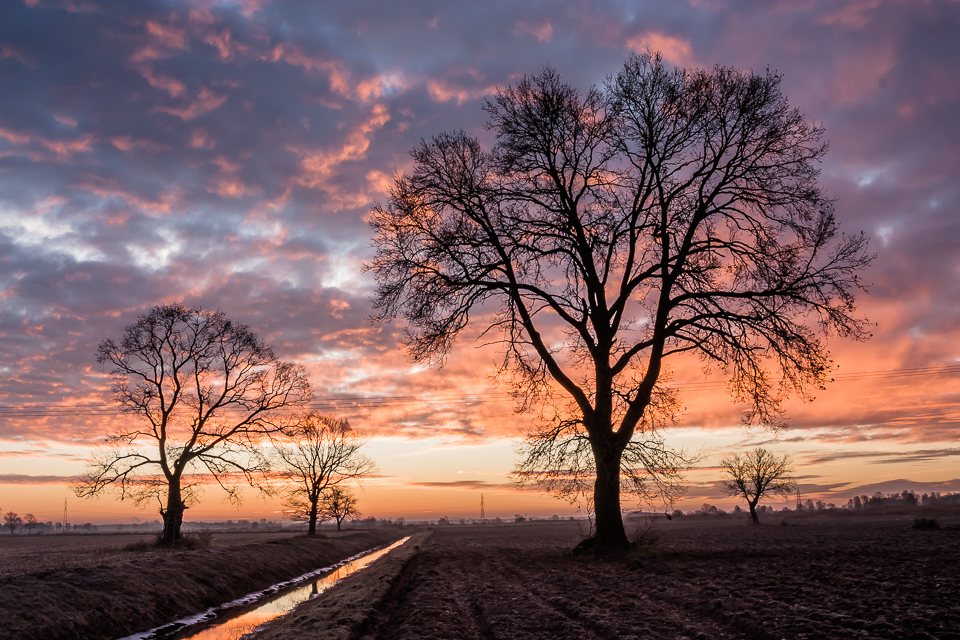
(227, 154)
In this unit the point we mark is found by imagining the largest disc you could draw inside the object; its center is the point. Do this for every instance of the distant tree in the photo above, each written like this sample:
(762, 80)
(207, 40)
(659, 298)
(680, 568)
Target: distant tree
(319, 453)
(338, 503)
(29, 522)
(12, 521)
(519, 518)
(756, 475)
(670, 212)
(204, 391)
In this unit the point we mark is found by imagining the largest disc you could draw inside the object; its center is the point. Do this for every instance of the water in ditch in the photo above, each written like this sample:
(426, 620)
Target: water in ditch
(235, 619)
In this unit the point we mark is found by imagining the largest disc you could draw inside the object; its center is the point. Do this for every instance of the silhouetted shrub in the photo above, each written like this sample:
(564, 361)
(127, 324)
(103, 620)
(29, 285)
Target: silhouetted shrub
(201, 539)
(926, 524)
(645, 536)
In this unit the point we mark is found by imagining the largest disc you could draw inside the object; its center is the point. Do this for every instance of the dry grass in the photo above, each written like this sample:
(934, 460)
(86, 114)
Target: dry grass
(21, 554)
(102, 591)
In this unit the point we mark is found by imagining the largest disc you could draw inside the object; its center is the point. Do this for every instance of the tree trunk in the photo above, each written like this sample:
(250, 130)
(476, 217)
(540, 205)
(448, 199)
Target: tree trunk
(753, 513)
(172, 515)
(610, 536)
(339, 520)
(312, 528)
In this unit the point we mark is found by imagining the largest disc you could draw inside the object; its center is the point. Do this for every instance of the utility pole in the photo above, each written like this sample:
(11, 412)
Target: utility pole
(483, 516)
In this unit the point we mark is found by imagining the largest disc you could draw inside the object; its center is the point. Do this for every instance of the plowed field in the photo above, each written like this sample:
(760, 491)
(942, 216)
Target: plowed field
(705, 578)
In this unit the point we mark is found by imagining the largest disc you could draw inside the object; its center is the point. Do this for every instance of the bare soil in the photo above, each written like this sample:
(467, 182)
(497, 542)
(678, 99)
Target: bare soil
(706, 578)
(92, 587)
(820, 576)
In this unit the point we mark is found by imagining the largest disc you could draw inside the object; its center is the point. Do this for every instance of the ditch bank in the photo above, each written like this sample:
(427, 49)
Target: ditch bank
(345, 612)
(156, 587)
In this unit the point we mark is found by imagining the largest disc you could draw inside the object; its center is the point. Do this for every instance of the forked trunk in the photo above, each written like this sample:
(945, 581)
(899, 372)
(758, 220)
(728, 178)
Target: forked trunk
(172, 514)
(610, 536)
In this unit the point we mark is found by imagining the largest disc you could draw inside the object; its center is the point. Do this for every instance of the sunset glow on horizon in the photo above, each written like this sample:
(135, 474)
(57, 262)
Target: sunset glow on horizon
(226, 154)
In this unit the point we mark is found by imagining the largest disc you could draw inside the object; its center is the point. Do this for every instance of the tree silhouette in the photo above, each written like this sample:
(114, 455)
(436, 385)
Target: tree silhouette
(12, 521)
(669, 212)
(322, 452)
(338, 503)
(756, 475)
(204, 391)
(29, 522)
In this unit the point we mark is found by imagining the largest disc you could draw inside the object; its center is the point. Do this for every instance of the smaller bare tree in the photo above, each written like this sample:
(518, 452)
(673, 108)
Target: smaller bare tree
(757, 474)
(202, 393)
(338, 503)
(29, 522)
(323, 452)
(12, 521)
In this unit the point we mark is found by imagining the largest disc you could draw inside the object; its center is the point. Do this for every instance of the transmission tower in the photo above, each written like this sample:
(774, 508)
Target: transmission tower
(799, 503)
(64, 514)
(483, 516)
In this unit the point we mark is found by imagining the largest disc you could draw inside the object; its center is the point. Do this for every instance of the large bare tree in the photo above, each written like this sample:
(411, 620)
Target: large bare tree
(319, 453)
(756, 475)
(203, 392)
(670, 212)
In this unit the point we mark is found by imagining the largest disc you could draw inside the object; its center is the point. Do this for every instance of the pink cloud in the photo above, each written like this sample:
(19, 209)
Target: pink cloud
(543, 31)
(205, 102)
(127, 144)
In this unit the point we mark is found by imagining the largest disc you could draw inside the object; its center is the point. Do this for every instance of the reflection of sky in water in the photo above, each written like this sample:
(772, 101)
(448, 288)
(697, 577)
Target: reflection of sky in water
(234, 628)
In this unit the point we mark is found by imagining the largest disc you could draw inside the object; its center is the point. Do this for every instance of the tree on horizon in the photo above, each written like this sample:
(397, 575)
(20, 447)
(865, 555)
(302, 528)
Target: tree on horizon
(318, 453)
(203, 393)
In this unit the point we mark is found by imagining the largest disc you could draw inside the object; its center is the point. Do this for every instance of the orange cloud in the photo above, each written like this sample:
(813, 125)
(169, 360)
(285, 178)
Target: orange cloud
(317, 167)
(171, 85)
(853, 15)
(7, 51)
(63, 149)
(108, 189)
(200, 139)
(341, 82)
(678, 51)
(126, 144)
(14, 136)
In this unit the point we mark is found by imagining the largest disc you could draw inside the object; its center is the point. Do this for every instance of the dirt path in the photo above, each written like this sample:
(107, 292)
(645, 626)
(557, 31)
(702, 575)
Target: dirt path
(705, 580)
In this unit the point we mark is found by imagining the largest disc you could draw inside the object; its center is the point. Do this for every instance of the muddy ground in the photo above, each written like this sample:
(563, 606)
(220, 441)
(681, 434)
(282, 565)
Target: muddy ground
(97, 587)
(817, 577)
